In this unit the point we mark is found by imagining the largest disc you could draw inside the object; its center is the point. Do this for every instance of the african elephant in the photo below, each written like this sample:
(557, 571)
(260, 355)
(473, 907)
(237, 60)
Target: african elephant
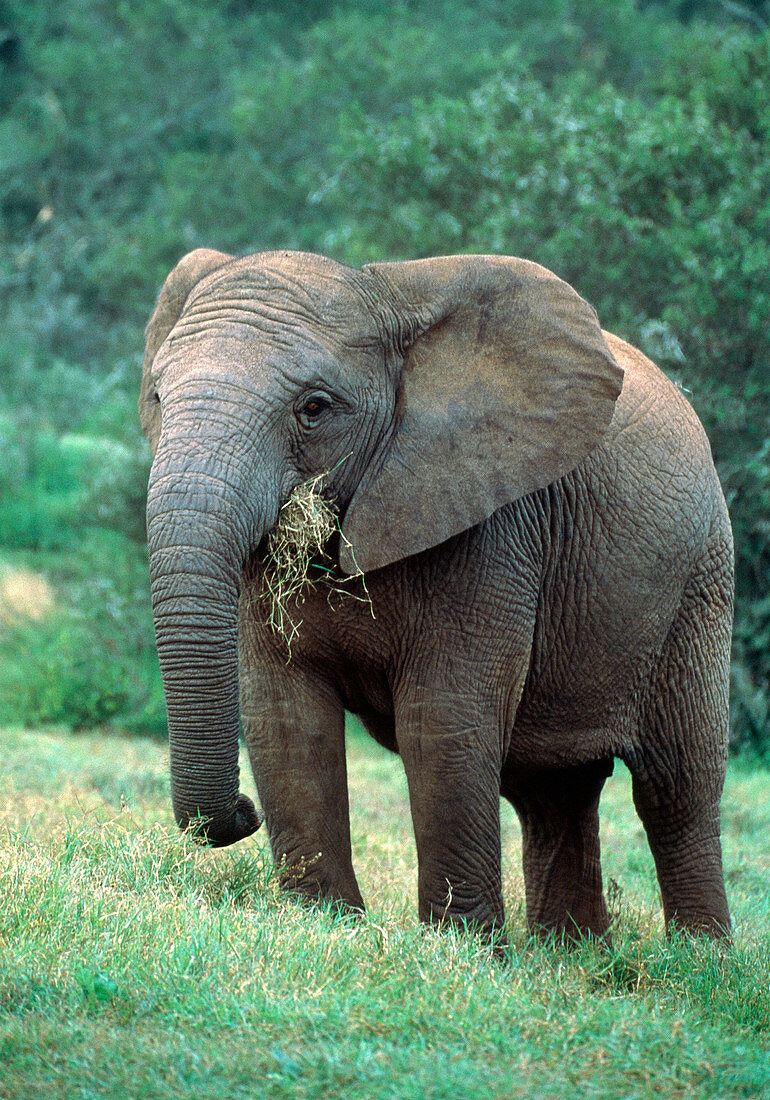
(536, 514)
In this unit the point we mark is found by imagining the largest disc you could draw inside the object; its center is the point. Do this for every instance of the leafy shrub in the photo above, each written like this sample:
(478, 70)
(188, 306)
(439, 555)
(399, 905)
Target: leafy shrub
(750, 677)
(627, 153)
(62, 673)
(92, 658)
(51, 487)
(658, 213)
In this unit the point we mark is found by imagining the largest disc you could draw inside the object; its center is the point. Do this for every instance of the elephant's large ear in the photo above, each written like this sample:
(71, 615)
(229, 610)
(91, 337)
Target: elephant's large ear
(507, 384)
(175, 291)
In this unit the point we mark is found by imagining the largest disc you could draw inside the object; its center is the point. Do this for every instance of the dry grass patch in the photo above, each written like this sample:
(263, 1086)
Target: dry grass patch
(23, 595)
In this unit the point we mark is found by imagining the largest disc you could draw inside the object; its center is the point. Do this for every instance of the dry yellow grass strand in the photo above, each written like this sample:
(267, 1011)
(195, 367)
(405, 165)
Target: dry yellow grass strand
(305, 524)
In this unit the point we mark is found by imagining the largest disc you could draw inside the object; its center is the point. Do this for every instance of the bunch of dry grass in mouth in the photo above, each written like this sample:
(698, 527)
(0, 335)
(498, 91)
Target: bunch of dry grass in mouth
(305, 524)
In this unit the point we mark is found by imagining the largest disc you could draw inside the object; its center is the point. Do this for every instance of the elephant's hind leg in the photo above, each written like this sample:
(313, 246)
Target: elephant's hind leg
(678, 767)
(559, 814)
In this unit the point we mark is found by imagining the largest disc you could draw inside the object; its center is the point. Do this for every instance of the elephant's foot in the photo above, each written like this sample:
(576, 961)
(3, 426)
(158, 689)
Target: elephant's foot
(309, 881)
(565, 901)
(688, 858)
(482, 920)
(570, 923)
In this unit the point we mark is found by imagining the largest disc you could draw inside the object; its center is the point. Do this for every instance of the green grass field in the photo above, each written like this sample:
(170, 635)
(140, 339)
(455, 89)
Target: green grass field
(133, 964)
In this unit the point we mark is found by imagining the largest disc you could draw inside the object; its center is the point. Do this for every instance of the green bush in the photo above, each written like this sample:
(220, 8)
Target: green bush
(628, 153)
(54, 486)
(91, 658)
(63, 673)
(658, 213)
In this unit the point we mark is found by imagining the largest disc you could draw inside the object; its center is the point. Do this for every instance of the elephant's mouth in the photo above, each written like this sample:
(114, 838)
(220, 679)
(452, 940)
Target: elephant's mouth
(301, 552)
(296, 555)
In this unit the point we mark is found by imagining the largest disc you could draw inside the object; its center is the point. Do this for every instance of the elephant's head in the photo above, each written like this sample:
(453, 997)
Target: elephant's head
(435, 391)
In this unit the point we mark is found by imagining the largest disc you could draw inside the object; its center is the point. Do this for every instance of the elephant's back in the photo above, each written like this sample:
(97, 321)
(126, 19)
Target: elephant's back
(655, 459)
(653, 416)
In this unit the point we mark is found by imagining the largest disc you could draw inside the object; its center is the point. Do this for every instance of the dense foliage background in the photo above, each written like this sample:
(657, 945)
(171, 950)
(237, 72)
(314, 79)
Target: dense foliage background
(624, 145)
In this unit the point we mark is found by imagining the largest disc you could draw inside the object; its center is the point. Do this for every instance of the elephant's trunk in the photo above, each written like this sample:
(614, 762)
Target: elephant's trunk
(199, 534)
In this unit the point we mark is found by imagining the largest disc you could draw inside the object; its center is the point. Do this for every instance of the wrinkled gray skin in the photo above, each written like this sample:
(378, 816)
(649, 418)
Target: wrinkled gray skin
(548, 555)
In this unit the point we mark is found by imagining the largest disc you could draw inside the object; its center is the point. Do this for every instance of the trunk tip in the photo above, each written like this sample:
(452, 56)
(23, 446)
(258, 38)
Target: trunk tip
(218, 834)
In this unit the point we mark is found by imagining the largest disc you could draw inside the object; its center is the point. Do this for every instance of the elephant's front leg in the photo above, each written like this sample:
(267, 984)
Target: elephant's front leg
(452, 760)
(295, 732)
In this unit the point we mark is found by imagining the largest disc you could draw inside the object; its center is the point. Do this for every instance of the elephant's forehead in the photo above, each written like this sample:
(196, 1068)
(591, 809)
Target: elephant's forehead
(238, 351)
(284, 290)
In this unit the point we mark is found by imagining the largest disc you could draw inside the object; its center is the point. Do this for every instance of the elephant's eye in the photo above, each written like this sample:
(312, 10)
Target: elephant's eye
(312, 409)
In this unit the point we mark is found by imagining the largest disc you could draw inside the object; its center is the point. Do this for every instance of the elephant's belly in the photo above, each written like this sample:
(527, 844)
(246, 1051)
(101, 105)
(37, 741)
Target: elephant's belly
(381, 728)
(581, 709)
(550, 743)
(598, 636)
